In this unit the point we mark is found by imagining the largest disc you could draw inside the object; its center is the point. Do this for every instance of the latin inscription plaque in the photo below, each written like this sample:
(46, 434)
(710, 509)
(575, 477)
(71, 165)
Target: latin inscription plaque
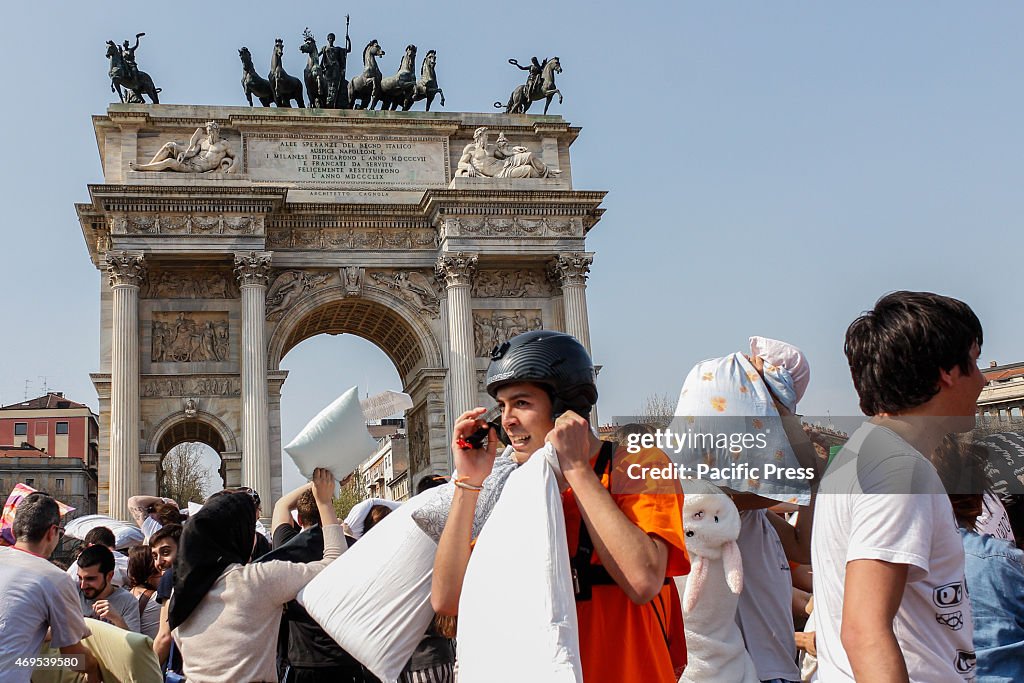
(367, 162)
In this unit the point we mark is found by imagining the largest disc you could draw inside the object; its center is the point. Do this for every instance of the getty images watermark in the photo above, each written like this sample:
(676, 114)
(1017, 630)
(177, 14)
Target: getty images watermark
(677, 443)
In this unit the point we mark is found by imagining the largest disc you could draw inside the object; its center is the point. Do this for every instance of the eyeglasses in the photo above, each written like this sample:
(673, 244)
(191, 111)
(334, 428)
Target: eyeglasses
(60, 530)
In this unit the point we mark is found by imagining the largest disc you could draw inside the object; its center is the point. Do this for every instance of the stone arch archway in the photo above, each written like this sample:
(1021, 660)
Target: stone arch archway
(407, 336)
(381, 237)
(378, 317)
(203, 427)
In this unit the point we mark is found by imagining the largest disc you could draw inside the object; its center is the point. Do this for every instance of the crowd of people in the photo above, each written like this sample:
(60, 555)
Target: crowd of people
(900, 564)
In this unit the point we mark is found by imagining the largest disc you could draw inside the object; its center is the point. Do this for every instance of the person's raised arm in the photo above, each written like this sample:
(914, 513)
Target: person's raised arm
(284, 506)
(139, 506)
(453, 549)
(872, 595)
(633, 558)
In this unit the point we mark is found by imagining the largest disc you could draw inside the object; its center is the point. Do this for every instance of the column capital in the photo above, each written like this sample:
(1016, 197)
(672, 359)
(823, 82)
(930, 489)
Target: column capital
(125, 268)
(571, 268)
(252, 268)
(456, 269)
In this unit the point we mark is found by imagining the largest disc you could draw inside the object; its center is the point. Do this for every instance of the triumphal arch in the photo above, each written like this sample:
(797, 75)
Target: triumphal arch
(227, 235)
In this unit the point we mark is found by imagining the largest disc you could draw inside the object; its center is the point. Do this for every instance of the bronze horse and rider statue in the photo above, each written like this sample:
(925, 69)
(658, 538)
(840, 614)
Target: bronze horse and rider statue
(124, 73)
(540, 85)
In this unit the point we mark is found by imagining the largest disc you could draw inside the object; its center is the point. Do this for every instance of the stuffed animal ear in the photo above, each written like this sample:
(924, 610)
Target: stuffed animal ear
(732, 563)
(694, 582)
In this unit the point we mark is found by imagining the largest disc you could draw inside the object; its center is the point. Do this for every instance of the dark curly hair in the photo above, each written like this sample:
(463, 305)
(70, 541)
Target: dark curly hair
(897, 350)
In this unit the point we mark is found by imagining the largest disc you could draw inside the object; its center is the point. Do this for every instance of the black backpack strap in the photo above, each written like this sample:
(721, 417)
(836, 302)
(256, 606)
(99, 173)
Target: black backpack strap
(582, 569)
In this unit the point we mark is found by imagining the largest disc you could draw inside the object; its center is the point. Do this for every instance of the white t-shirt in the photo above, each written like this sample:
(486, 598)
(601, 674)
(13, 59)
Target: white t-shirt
(765, 610)
(34, 595)
(150, 526)
(881, 499)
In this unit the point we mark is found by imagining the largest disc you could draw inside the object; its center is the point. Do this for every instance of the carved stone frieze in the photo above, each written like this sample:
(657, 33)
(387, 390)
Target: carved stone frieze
(352, 238)
(511, 226)
(125, 268)
(202, 385)
(187, 224)
(189, 337)
(570, 269)
(252, 268)
(511, 283)
(289, 286)
(190, 284)
(456, 269)
(411, 286)
(494, 327)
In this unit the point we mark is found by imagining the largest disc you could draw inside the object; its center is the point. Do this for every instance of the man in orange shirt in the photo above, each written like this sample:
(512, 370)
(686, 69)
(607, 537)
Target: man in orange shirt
(625, 536)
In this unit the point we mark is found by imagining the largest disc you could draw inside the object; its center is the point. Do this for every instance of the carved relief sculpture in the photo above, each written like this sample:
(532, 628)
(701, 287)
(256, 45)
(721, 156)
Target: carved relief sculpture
(191, 284)
(413, 287)
(190, 387)
(510, 283)
(503, 161)
(353, 278)
(288, 287)
(193, 338)
(494, 327)
(203, 154)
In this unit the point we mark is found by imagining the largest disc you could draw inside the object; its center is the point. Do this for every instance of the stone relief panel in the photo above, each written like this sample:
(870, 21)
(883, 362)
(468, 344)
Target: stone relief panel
(201, 385)
(190, 284)
(189, 337)
(419, 447)
(352, 238)
(511, 283)
(187, 224)
(494, 327)
(511, 226)
(289, 286)
(412, 286)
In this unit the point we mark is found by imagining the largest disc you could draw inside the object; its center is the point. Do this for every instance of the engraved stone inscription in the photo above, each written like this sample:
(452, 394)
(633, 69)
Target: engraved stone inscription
(349, 161)
(493, 327)
(191, 386)
(191, 337)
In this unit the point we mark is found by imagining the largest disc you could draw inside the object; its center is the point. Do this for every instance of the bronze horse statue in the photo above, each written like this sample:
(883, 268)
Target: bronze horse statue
(137, 84)
(366, 86)
(426, 87)
(398, 90)
(286, 88)
(252, 82)
(544, 88)
(316, 84)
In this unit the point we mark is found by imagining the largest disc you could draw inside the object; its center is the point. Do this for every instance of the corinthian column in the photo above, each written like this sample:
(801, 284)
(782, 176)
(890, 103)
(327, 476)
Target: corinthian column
(252, 270)
(571, 271)
(126, 271)
(456, 272)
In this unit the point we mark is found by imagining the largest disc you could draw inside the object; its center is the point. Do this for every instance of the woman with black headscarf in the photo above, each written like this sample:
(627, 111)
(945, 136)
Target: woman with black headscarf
(226, 613)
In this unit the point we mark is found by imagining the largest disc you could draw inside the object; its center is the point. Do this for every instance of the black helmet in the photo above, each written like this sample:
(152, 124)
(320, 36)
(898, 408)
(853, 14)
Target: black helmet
(554, 360)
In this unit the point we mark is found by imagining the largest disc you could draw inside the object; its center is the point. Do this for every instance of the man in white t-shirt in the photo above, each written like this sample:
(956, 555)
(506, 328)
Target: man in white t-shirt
(37, 597)
(890, 597)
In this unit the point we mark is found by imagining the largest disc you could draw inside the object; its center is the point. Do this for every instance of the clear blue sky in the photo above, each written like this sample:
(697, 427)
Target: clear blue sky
(772, 168)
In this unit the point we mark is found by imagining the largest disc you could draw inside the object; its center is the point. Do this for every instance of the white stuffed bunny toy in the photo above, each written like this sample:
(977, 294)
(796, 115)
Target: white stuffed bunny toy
(714, 644)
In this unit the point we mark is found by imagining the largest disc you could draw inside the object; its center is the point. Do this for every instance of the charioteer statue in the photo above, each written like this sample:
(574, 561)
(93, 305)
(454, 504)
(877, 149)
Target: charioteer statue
(540, 85)
(124, 73)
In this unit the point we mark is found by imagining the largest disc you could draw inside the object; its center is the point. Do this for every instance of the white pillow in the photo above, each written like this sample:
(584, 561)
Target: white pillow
(336, 439)
(374, 600)
(125, 535)
(524, 538)
(356, 519)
